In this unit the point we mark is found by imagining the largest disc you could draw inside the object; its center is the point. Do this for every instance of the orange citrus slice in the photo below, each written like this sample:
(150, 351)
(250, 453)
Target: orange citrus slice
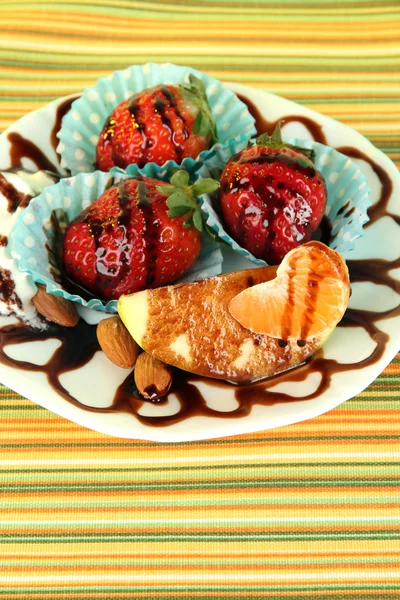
(306, 300)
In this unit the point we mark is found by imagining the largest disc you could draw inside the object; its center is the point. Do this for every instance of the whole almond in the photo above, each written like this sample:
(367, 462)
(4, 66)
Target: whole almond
(117, 343)
(152, 377)
(55, 308)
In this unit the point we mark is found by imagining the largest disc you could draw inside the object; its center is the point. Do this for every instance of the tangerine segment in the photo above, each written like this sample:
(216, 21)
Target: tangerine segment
(307, 298)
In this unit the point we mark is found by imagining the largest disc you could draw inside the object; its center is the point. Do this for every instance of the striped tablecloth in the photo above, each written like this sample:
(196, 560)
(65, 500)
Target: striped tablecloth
(306, 511)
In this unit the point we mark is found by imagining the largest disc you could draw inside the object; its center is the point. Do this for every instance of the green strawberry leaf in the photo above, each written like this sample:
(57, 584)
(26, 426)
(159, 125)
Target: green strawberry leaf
(275, 141)
(178, 211)
(180, 179)
(197, 85)
(205, 186)
(276, 137)
(309, 152)
(211, 233)
(180, 198)
(189, 222)
(197, 220)
(205, 127)
(195, 92)
(198, 122)
(167, 190)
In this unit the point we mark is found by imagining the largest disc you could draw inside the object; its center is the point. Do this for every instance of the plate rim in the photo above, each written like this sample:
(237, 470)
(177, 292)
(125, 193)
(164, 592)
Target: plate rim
(24, 385)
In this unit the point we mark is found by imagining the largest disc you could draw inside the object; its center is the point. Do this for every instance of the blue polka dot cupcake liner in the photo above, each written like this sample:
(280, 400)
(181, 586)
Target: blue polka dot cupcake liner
(164, 172)
(34, 240)
(347, 189)
(83, 124)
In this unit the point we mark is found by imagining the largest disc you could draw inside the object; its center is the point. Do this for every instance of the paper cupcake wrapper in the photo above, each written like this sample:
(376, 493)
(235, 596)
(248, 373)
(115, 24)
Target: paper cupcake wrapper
(83, 124)
(165, 172)
(347, 187)
(34, 230)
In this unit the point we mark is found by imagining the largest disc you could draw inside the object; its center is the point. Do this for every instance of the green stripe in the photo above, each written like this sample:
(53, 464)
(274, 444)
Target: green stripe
(183, 561)
(220, 442)
(197, 536)
(265, 483)
(104, 503)
(122, 58)
(217, 588)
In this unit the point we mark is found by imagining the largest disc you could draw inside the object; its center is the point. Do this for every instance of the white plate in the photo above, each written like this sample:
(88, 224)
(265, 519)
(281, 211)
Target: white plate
(96, 383)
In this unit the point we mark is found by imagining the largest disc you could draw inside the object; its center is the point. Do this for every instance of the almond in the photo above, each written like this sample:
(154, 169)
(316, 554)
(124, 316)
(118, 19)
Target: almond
(55, 308)
(152, 377)
(117, 343)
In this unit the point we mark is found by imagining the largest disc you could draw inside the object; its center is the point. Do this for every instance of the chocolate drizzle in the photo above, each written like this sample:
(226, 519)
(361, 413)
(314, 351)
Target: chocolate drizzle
(21, 148)
(134, 109)
(290, 301)
(305, 170)
(150, 235)
(62, 110)
(264, 125)
(79, 344)
(15, 198)
(310, 301)
(123, 221)
(380, 208)
(7, 289)
(164, 105)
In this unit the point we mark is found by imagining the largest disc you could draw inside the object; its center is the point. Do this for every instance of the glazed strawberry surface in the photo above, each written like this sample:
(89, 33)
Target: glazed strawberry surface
(272, 200)
(155, 125)
(125, 241)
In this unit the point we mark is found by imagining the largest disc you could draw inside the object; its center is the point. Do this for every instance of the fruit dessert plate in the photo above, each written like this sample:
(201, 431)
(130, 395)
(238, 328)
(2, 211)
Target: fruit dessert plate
(63, 370)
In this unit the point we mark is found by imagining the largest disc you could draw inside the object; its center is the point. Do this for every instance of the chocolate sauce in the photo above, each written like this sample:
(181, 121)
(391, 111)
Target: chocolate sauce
(79, 344)
(380, 208)
(375, 270)
(150, 235)
(310, 300)
(305, 170)
(290, 300)
(134, 109)
(124, 218)
(164, 105)
(264, 125)
(324, 231)
(14, 197)
(62, 110)
(21, 148)
(7, 289)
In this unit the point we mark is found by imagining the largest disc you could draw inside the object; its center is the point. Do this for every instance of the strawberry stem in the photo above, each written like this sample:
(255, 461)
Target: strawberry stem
(182, 198)
(275, 141)
(204, 124)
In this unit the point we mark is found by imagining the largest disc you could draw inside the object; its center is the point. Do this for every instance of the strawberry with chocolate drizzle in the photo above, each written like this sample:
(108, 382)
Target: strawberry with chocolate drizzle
(166, 122)
(272, 198)
(140, 233)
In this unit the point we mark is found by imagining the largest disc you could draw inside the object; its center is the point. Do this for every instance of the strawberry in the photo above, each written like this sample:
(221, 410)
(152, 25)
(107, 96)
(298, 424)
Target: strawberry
(139, 233)
(166, 122)
(272, 198)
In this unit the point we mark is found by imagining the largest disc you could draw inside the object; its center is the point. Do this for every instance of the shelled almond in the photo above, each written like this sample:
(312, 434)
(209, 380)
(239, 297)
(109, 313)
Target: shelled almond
(55, 308)
(117, 343)
(153, 378)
